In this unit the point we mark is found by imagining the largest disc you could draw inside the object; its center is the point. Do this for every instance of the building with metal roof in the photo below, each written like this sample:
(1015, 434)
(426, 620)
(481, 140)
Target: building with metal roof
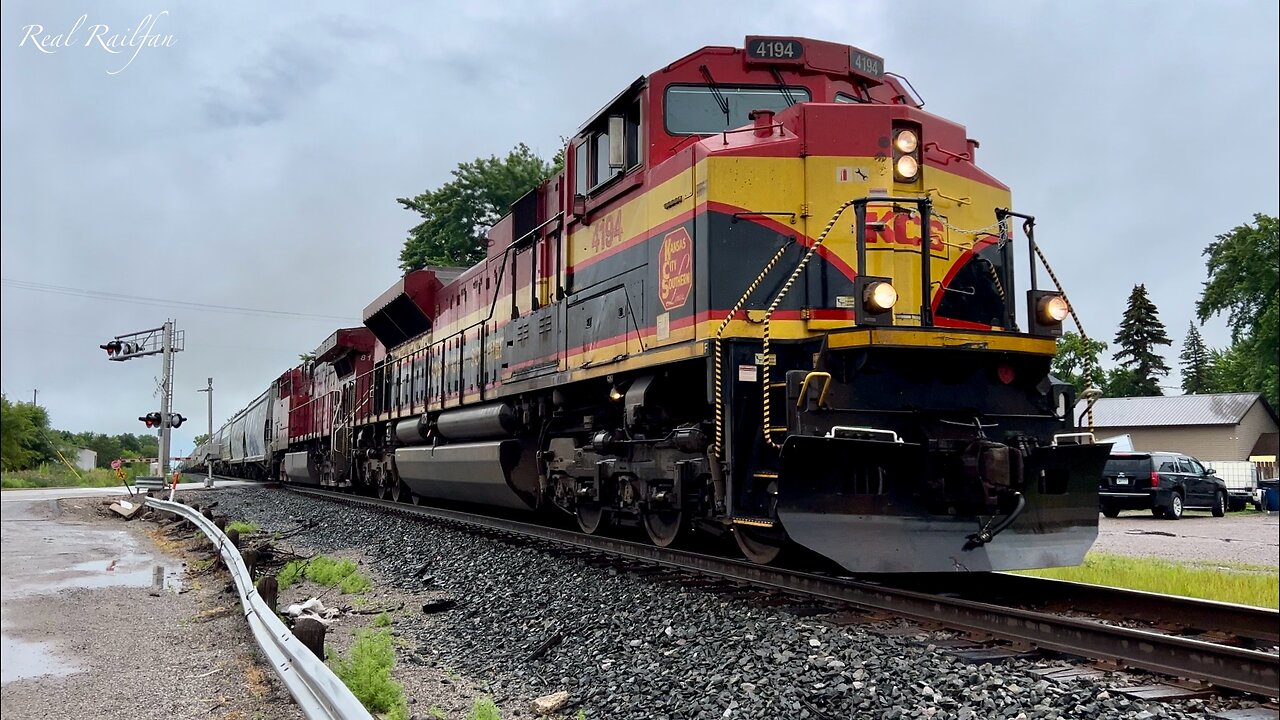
(1218, 426)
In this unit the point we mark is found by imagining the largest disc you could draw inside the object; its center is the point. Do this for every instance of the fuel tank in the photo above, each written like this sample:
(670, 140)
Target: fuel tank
(474, 472)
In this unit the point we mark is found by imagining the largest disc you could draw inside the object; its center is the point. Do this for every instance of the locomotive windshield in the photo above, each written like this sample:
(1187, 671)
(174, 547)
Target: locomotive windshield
(703, 109)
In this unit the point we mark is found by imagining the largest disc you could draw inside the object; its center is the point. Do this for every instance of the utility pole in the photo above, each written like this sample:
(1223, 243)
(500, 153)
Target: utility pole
(166, 397)
(34, 395)
(208, 481)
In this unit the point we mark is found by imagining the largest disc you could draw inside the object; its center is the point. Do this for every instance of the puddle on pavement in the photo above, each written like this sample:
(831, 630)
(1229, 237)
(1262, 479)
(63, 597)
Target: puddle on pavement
(125, 571)
(24, 660)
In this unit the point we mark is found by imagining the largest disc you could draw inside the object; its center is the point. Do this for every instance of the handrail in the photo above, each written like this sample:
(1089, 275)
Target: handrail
(320, 694)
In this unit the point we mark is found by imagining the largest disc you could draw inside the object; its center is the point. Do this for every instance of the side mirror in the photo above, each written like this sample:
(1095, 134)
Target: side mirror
(1210, 471)
(579, 206)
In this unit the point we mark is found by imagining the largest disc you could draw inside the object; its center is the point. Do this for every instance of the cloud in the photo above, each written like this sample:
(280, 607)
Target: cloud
(256, 162)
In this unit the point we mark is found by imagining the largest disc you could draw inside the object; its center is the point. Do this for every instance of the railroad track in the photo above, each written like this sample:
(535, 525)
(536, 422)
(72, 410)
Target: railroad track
(1221, 644)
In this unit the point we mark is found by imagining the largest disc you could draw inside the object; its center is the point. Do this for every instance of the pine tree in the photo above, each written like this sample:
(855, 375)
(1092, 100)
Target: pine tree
(1195, 363)
(1139, 334)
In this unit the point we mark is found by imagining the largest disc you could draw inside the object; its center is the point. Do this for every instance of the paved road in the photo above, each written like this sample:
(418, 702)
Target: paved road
(24, 496)
(1252, 537)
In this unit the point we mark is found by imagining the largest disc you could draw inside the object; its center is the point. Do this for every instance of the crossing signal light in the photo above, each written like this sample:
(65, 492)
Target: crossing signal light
(152, 420)
(121, 349)
(176, 420)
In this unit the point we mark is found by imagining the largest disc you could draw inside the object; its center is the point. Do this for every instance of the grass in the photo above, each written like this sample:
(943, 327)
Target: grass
(242, 527)
(1228, 582)
(50, 475)
(383, 620)
(327, 571)
(366, 670)
(484, 709)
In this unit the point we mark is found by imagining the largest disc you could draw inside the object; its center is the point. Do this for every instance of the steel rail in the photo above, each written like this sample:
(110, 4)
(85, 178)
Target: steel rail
(1244, 621)
(1246, 670)
(319, 693)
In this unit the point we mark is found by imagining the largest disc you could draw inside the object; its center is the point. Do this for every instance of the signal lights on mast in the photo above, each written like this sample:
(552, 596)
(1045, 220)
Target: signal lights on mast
(152, 420)
(121, 349)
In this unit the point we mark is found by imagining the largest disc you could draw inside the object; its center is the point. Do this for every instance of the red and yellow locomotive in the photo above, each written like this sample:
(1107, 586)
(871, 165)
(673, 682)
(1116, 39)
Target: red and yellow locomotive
(768, 295)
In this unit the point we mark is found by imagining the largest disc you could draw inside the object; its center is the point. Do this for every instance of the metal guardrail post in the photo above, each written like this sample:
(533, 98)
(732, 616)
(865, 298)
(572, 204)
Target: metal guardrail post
(320, 694)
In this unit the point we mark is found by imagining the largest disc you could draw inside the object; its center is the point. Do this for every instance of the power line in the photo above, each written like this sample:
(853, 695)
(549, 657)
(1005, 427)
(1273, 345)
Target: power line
(160, 302)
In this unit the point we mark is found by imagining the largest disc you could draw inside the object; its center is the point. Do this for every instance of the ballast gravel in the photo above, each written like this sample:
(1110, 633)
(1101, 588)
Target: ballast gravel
(531, 623)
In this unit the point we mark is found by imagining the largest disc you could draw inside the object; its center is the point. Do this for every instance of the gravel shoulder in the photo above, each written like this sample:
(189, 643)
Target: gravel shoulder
(1252, 538)
(529, 623)
(110, 648)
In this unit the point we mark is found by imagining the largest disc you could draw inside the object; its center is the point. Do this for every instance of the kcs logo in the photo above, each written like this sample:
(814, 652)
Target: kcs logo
(896, 228)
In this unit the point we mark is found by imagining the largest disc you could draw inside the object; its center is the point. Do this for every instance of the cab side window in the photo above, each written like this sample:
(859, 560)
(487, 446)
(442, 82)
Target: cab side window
(1193, 466)
(596, 160)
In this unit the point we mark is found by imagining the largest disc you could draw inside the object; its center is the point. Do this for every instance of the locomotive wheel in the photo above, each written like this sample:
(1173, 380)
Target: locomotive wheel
(760, 545)
(664, 527)
(590, 518)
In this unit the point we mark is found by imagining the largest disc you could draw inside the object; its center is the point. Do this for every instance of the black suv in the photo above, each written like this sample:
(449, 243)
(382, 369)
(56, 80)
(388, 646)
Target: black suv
(1165, 483)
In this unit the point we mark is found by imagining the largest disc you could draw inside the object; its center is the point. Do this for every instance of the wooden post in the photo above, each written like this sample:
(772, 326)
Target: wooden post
(234, 536)
(269, 590)
(220, 523)
(250, 558)
(311, 633)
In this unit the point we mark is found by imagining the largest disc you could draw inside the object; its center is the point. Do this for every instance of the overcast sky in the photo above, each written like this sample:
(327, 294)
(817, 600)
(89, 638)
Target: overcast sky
(253, 157)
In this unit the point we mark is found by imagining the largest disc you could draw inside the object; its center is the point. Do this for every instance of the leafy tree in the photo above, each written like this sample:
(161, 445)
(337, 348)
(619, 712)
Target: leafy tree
(1244, 282)
(1139, 334)
(456, 215)
(201, 438)
(1228, 370)
(1122, 382)
(1076, 357)
(16, 431)
(1195, 363)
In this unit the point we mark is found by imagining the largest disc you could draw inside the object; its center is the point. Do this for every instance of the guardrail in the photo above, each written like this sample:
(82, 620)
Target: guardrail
(320, 694)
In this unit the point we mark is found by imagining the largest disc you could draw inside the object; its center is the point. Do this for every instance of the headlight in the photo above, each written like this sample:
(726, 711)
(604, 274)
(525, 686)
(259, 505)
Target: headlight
(906, 141)
(879, 297)
(907, 167)
(1053, 309)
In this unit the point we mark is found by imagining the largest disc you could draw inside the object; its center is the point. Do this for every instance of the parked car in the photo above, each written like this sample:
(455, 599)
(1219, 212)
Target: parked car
(1260, 495)
(1163, 482)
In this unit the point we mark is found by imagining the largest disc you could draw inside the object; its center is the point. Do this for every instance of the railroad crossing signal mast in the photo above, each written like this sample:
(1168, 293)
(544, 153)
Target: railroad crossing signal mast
(164, 341)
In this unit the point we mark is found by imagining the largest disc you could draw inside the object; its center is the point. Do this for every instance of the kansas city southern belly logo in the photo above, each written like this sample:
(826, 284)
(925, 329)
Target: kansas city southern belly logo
(675, 270)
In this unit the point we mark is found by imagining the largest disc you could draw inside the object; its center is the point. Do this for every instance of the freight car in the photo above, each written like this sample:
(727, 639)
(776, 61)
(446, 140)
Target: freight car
(768, 296)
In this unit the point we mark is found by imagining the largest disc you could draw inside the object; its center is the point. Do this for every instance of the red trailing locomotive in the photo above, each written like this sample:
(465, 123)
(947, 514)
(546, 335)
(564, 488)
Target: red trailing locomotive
(767, 296)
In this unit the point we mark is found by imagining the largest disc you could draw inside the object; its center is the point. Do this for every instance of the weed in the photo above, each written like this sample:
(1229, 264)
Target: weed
(355, 583)
(326, 571)
(366, 670)
(291, 573)
(484, 709)
(58, 475)
(242, 527)
(383, 620)
(437, 713)
(582, 715)
(1245, 584)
